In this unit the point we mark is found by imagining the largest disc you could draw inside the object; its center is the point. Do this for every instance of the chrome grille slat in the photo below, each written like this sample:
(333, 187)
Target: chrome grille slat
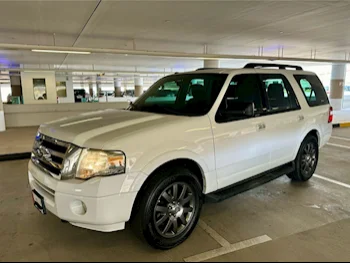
(57, 154)
(54, 164)
(49, 154)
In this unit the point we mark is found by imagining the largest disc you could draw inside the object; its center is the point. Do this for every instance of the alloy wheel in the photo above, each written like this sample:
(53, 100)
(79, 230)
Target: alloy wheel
(174, 210)
(308, 159)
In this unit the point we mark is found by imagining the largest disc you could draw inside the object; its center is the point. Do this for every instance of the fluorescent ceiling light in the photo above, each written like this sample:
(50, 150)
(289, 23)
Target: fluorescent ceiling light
(62, 51)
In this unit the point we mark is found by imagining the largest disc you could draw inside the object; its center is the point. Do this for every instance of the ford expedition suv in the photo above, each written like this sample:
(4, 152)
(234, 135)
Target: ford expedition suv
(155, 163)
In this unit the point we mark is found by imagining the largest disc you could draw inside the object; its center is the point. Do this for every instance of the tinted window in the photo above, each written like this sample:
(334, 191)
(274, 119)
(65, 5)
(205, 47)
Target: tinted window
(313, 89)
(243, 89)
(182, 94)
(279, 92)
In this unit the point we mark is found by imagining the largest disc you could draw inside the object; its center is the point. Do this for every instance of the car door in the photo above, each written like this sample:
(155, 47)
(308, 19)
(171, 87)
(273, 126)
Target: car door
(241, 143)
(284, 120)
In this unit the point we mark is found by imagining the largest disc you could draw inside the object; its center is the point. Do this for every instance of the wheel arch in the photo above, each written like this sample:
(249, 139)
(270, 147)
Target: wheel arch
(313, 132)
(191, 164)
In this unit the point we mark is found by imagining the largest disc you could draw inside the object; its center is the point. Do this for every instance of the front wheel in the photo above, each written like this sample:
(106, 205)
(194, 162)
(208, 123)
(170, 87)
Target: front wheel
(169, 208)
(306, 160)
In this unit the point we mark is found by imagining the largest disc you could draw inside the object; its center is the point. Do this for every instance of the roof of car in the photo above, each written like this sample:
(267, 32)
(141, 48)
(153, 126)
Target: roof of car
(253, 66)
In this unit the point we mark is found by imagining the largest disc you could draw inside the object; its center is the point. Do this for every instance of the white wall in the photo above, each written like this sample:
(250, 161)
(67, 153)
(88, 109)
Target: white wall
(5, 90)
(70, 91)
(28, 91)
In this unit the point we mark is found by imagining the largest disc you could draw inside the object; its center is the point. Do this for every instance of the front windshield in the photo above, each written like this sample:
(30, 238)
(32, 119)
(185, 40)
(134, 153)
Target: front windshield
(182, 94)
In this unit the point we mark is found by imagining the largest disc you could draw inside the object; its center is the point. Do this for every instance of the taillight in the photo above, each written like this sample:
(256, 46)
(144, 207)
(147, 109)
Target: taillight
(330, 115)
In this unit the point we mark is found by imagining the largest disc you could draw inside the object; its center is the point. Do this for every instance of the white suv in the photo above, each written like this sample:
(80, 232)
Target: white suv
(196, 136)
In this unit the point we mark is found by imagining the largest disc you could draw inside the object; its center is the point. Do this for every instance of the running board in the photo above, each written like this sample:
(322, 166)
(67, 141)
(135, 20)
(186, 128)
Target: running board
(249, 183)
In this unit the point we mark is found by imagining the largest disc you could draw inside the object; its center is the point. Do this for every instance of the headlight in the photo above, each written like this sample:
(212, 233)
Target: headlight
(100, 163)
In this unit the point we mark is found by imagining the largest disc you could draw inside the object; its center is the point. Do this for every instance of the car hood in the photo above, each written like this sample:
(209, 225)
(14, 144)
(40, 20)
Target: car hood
(95, 129)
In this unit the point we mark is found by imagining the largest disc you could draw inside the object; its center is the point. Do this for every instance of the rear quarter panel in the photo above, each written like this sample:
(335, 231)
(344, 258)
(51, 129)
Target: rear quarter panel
(316, 118)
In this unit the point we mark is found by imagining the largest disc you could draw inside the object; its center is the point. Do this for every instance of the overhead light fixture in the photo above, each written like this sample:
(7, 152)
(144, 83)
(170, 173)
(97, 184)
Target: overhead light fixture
(62, 51)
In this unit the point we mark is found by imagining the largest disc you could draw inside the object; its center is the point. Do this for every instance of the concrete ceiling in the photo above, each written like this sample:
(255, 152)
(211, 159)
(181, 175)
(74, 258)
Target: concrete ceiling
(302, 28)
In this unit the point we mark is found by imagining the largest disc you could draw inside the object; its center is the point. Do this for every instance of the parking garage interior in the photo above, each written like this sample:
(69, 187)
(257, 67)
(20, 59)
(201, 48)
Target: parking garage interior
(60, 59)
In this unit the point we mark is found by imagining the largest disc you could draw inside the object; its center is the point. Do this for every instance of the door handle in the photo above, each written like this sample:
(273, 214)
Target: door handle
(300, 118)
(260, 126)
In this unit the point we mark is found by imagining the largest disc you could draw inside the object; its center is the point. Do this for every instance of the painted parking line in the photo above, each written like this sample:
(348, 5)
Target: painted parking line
(215, 235)
(228, 249)
(331, 180)
(338, 145)
(341, 138)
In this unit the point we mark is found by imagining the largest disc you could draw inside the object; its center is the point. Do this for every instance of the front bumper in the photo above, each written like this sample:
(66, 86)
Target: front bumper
(82, 203)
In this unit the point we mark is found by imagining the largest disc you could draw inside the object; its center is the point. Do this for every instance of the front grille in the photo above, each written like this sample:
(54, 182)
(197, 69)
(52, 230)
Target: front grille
(48, 154)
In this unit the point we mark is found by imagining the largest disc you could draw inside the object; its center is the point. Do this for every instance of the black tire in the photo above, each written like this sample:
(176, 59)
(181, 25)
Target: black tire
(186, 208)
(306, 160)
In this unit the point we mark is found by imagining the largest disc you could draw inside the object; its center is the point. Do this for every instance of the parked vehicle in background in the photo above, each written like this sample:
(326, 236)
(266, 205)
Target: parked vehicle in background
(220, 132)
(79, 95)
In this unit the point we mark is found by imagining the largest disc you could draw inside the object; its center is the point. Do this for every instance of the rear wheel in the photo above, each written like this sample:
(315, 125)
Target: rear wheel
(169, 208)
(306, 160)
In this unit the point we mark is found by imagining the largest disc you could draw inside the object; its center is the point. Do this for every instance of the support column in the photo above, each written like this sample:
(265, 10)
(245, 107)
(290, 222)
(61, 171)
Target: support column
(2, 116)
(138, 86)
(98, 85)
(337, 85)
(209, 63)
(91, 89)
(117, 87)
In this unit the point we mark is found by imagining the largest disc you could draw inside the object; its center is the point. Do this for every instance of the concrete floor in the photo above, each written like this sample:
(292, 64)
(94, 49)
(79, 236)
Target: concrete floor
(305, 222)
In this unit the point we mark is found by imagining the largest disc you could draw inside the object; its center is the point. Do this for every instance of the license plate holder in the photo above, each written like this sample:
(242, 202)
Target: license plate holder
(39, 203)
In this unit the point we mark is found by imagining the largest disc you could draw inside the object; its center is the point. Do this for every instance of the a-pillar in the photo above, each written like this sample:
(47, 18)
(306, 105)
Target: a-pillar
(337, 85)
(138, 86)
(117, 87)
(210, 63)
(2, 115)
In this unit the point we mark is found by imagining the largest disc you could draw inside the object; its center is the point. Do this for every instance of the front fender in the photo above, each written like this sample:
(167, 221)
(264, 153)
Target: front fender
(209, 177)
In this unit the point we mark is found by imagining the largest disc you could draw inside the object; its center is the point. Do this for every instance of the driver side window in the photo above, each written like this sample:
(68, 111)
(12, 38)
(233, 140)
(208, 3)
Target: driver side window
(242, 93)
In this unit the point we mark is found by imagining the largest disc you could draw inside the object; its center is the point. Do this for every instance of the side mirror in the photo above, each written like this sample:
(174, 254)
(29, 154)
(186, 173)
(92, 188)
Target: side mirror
(235, 108)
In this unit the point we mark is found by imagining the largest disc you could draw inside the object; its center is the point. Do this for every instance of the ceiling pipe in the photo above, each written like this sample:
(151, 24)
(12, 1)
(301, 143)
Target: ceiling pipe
(165, 54)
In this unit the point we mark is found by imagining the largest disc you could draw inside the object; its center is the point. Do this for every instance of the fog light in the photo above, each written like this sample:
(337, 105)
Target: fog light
(78, 207)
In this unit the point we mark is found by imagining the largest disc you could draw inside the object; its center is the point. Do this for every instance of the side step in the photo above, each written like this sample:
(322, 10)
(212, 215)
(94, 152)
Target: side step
(249, 183)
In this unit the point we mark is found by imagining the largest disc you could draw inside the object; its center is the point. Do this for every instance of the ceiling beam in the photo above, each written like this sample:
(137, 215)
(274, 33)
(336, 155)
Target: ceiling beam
(165, 54)
(116, 72)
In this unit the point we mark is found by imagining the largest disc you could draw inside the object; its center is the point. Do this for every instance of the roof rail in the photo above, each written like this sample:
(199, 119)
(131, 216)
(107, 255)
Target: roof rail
(267, 65)
(204, 68)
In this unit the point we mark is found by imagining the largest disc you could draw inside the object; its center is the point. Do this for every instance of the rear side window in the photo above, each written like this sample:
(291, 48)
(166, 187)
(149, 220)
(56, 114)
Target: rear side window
(279, 93)
(313, 90)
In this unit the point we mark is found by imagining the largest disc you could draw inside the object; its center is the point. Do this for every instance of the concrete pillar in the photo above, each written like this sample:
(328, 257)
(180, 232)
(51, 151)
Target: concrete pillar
(209, 63)
(91, 89)
(138, 86)
(117, 87)
(2, 115)
(337, 85)
(98, 85)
